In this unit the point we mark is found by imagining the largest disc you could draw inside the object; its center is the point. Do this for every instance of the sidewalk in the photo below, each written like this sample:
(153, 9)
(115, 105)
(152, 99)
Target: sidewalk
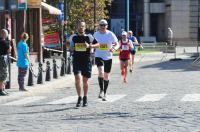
(14, 74)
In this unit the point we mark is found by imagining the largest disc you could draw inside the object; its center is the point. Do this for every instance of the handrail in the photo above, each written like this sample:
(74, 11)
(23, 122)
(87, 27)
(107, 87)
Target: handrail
(48, 49)
(12, 58)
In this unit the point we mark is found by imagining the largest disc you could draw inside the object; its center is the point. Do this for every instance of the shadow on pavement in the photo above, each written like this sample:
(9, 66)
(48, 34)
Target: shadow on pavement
(181, 65)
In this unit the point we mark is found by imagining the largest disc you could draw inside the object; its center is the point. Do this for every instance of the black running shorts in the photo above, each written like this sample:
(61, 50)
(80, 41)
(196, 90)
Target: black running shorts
(106, 63)
(85, 68)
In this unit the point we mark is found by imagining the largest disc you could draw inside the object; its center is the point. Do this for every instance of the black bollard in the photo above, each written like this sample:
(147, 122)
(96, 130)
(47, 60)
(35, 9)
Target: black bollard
(62, 71)
(48, 72)
(40, 78)
(55, 74)
(30, 75)
(69, 65)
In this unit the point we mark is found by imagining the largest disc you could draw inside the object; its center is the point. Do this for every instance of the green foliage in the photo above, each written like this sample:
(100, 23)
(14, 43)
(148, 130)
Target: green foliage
(84, 10)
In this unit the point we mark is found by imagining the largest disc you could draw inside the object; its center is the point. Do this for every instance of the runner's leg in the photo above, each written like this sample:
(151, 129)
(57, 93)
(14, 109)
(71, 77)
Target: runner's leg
(78, 84)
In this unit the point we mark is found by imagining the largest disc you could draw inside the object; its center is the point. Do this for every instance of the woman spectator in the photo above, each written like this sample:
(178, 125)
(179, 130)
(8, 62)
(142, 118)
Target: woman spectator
(22, 60)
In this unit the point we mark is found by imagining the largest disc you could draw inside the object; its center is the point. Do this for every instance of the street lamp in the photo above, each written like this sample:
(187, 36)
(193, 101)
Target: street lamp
(94, 14)
(127, 17)
(198, 37)
(198, 28)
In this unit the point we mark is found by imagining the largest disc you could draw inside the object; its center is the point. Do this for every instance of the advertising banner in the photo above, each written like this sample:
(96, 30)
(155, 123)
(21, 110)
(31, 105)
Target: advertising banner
(34, 3)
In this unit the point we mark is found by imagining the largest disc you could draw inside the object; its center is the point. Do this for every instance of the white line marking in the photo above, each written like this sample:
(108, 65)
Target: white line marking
(151, 98)
(66, 100)
(25, 100)
(112, 98)
(191, 97)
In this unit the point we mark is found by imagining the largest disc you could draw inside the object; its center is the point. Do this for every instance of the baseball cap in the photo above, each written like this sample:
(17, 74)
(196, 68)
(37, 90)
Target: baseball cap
(124, 33)
(103, 22)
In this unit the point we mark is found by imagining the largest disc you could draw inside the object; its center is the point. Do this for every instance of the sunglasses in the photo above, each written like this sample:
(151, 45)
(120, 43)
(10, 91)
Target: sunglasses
(102, 25)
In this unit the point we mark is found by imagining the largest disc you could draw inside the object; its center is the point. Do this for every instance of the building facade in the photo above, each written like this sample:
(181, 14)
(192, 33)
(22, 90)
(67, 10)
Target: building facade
(154, 17)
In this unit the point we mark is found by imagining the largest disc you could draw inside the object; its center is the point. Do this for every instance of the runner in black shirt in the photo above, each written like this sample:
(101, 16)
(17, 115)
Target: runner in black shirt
(81, 45)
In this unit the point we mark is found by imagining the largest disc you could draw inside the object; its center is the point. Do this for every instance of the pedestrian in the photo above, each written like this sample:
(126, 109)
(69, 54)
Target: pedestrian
(22, 60)
(170, 36)
(103, 55)
(133, 52)
(126, 46)
(80, 45)
(4, 50)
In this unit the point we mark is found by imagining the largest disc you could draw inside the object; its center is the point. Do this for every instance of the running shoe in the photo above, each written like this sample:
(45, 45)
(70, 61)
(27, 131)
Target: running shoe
(101, 94)
(2, 93)
(104, 97)
(125, 80)
(78, 104)
(85, 101)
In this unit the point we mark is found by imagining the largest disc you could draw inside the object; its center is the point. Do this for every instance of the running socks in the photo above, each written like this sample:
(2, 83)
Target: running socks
(106, 82)
(100, 79)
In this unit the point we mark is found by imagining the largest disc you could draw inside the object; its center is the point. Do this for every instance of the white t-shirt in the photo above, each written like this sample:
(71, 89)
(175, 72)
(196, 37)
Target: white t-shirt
(106, 41)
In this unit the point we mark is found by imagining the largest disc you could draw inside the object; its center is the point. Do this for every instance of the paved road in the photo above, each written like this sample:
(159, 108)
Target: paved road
(161, 96)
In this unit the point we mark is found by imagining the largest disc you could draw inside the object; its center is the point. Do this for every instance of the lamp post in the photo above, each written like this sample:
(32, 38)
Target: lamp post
(64, 33)
(127, 16)
(198, 37)
(198, 28)
(94, 14)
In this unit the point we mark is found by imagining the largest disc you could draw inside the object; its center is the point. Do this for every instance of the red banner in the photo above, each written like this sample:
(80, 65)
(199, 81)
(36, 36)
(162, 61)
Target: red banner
(52, 38)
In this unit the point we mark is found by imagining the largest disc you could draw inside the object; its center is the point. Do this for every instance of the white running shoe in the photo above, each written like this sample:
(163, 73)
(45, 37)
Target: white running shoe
(104, 97)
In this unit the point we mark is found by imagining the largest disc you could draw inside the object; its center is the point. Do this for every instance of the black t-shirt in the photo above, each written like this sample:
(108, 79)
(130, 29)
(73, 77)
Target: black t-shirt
(81, 53)
(4, 46)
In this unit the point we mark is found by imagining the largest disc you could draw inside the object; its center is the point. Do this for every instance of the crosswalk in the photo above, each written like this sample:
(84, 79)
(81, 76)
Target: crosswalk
(19, 101)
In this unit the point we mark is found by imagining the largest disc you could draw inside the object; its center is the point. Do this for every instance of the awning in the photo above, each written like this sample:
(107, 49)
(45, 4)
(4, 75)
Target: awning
(51, 9)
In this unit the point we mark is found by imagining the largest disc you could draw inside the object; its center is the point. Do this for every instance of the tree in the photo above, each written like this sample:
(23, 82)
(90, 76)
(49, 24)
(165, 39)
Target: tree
(84, 10)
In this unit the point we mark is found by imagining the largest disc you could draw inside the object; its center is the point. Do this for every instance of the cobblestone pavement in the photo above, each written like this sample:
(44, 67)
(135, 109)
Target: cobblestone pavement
(160, 96)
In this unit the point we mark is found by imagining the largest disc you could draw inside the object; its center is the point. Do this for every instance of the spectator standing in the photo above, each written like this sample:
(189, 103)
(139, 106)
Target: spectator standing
(22, 60)
(170, 36)
(4, 50)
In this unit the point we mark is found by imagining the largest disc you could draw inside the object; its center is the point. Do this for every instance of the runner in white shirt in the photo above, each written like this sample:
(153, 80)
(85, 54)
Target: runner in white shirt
(103, 55)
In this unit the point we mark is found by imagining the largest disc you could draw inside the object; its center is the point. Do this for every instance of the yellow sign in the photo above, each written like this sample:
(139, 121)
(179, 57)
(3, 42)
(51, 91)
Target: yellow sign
(103, 47)
(34, 3)
(80, 47)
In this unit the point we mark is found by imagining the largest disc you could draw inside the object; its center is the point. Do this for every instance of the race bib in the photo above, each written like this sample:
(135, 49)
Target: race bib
(103, 47)
(80, 47)
(125, 47)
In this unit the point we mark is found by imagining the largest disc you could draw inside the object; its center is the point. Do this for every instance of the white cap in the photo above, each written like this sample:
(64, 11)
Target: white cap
(124, 33)
(130, 32)
(103, 22)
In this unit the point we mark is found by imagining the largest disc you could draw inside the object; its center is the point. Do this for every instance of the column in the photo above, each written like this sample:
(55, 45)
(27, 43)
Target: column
(146, 18)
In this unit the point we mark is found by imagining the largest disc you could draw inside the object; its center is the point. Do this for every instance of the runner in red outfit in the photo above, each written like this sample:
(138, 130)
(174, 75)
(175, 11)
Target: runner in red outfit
(124, 55)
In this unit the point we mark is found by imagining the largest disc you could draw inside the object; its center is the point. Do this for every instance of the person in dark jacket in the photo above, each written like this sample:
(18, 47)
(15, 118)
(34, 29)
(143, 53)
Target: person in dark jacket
(4, 50)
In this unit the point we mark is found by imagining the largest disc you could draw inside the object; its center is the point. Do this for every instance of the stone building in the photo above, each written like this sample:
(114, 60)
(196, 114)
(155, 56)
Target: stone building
(154, 17)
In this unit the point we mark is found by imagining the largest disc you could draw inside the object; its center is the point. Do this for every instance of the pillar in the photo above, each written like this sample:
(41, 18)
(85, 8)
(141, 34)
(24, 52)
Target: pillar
(146, 18)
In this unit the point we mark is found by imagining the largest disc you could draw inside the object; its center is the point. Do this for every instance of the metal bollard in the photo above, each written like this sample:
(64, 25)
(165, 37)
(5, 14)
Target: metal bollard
(62, 71)
(48, 72)
(69, 65)
(55, 74)
(40, 78)
(30, 76)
